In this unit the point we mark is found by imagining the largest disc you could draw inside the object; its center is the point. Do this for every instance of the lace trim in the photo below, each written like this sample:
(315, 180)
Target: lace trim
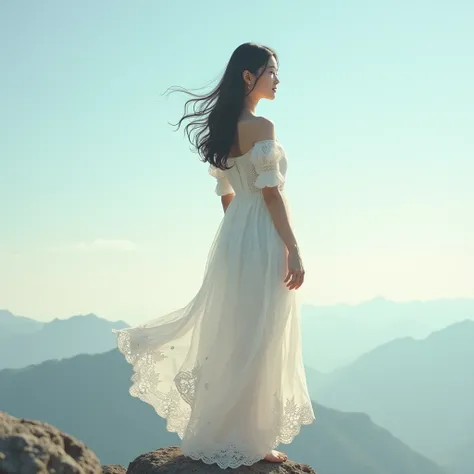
(169, 405)
(226, 456)
(267, 154)
(265, 158)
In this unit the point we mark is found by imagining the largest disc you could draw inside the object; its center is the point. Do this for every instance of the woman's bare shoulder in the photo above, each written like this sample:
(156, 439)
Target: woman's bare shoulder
(256, 128)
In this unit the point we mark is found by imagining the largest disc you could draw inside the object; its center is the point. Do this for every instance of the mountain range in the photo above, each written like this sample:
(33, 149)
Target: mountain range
(336, 335)
(87, 396)
(332, 336)
(24, 341)
(422, 391)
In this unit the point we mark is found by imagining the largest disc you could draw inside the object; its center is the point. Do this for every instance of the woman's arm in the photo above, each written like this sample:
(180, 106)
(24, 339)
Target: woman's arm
(226, 200)
(277, 209)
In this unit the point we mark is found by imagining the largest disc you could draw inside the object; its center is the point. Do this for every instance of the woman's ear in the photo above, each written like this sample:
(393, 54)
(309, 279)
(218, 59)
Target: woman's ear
(246, 76)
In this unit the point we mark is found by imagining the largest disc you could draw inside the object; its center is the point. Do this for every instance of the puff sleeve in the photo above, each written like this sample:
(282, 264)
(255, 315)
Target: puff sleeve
(223, 186)
(265, 158)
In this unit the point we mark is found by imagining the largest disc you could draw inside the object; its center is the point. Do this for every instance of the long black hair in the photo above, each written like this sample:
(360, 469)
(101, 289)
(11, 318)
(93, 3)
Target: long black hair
(216, 114)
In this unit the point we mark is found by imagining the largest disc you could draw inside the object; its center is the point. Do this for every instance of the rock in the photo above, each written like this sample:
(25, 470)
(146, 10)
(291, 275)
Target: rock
(113, 469)
(33, 447)
(171, 461)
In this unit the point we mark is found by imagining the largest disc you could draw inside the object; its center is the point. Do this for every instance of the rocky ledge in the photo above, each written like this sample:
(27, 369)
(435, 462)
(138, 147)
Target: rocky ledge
(34, 447)
(171, 461)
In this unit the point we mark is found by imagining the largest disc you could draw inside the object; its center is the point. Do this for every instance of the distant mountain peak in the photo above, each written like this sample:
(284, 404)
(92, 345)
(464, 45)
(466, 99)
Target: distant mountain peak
(78, 316)
(8, 317)
(464, 327)
(379, 298)
(88, 315)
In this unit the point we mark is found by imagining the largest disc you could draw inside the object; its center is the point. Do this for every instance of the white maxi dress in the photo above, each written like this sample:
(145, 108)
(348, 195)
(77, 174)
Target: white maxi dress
(226, 370)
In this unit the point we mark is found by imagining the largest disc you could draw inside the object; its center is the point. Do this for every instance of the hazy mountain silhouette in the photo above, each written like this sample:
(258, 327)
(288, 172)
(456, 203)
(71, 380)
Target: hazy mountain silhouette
(315, 380)
(12, 324)
(420, 390)
(334, 336)
(87, 396)
(25, 341)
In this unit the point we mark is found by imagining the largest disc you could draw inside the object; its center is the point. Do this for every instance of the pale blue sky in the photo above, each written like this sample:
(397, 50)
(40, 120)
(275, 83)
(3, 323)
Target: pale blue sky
(105, 209)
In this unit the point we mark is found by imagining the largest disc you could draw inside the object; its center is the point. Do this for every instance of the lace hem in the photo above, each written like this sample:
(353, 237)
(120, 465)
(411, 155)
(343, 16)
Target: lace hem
(233, 456)
(226, 457)
(169, 405)
(166, 405)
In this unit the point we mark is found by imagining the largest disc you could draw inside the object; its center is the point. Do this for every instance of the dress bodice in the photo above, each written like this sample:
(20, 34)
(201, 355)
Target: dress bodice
(265, 164)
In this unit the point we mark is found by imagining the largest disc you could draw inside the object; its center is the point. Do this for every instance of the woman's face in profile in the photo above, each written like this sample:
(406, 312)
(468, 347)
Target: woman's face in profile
(268, 82)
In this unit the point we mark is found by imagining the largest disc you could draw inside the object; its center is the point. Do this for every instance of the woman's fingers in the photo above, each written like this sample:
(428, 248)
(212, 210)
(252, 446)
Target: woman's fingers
(298, 280)
(301, 280)
(290, 278)
(294, 279)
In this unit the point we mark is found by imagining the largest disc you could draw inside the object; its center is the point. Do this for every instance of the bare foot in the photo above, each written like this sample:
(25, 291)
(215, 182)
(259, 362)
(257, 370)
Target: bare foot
(275, 456)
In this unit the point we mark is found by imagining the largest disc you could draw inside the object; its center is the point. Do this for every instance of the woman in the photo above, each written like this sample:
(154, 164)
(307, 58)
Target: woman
(226, 370)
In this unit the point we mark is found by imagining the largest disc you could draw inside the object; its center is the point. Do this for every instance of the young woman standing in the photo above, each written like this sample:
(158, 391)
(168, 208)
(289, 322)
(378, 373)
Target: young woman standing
(226, 370)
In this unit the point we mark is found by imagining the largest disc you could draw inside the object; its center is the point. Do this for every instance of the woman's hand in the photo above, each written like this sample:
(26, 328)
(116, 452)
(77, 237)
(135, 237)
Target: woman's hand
(295, 277)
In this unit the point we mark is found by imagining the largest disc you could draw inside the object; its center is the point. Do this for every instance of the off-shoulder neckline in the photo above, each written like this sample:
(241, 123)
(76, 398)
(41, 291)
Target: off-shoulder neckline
(252, 147)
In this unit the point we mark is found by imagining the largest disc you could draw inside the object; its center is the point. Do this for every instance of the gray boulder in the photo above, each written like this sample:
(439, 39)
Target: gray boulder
(113, 469)
(34, 447)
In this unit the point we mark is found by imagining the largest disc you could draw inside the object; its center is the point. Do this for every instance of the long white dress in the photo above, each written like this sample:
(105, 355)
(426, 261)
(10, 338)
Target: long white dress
(226, 371)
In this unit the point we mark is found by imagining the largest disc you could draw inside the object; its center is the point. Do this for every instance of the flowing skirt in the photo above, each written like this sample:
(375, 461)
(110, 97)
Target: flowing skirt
(226, 371)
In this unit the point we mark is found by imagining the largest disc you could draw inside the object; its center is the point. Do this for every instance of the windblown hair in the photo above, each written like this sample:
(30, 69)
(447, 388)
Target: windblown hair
(216, 115)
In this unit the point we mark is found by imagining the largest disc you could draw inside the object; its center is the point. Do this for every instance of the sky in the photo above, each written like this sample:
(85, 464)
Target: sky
(105, 208)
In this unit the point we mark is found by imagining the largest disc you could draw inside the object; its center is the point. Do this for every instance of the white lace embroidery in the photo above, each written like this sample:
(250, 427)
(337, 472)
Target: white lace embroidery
(265, 157)
(169, 405)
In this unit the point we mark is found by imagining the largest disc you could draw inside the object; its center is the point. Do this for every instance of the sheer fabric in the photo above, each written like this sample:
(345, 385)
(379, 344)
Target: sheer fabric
(226, 370)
